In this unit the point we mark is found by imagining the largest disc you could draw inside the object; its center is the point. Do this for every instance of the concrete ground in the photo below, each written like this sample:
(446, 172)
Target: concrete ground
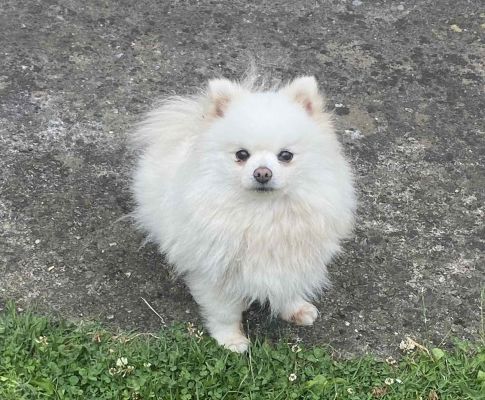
(405, 80)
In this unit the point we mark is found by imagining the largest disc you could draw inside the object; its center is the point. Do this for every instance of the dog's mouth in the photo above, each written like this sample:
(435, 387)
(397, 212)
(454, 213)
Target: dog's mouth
(263, 189)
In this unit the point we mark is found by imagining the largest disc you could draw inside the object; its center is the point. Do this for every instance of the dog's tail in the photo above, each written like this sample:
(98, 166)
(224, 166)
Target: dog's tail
(173, 119)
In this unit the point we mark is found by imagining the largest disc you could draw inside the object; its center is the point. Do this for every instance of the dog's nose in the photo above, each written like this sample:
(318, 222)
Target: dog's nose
(262, 174)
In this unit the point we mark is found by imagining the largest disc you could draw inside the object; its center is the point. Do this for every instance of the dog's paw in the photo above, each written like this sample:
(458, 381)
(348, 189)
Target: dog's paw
(236, 342)
(305, 314)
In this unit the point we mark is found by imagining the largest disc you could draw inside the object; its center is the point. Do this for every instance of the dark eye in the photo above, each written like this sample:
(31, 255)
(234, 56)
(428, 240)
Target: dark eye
(285, 156)
(242, 155)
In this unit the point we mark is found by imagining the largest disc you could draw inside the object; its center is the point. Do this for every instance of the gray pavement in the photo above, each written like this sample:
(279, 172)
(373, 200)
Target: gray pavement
(405, 80)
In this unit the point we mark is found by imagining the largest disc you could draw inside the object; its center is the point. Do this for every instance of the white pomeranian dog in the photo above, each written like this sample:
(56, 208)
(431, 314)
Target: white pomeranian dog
(248, 194)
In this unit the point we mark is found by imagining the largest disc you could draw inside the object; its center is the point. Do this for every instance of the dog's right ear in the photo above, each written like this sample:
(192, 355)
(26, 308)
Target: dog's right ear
(221, 92)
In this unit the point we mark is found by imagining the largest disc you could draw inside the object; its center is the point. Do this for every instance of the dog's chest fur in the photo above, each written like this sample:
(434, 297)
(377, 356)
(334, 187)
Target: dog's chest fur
(270, 251)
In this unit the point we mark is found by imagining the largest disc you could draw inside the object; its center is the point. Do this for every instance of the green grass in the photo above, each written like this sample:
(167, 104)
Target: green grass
(44, 359)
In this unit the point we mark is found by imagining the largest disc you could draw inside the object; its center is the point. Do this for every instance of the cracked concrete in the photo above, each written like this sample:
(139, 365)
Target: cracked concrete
(405, 81)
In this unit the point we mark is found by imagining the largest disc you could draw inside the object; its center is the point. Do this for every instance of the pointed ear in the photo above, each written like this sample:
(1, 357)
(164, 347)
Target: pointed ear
(304, 91)
(221, 92)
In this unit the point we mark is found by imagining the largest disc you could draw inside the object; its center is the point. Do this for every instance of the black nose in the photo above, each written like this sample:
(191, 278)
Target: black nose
(262, 174)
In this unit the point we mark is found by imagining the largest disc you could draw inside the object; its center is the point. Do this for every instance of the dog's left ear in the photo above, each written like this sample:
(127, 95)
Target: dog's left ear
(304, 91)
(221, 93)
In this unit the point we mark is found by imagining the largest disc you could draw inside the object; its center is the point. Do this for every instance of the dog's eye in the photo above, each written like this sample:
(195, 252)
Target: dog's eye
(285, 156)
(242, 155)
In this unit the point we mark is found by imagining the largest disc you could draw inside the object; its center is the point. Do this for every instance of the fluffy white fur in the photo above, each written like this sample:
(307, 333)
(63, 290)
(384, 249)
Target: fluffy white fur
(234, 244)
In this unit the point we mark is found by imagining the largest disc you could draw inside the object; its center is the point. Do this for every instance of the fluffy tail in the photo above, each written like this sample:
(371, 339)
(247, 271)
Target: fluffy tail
(174, 119)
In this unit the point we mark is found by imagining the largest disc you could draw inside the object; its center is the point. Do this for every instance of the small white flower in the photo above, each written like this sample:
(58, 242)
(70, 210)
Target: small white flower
(295, 348)
(292, 377)
(191, 328)
(147, 365)
(128, 370)
(389, 381)
(42, 340)
(122, 367)
(121, 362)
(390, 360)
(350, 391)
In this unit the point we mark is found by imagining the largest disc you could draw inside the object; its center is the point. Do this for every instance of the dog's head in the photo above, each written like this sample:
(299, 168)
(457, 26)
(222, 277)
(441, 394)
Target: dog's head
(265, 142)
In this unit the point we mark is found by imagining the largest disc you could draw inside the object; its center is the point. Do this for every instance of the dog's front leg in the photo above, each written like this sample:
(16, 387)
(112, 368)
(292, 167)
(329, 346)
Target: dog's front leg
(222, 315)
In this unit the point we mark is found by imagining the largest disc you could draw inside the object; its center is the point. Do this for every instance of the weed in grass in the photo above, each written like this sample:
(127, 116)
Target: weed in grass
(43, 359)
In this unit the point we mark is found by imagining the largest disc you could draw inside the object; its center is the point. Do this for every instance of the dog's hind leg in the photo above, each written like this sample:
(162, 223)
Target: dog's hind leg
(300, 312)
